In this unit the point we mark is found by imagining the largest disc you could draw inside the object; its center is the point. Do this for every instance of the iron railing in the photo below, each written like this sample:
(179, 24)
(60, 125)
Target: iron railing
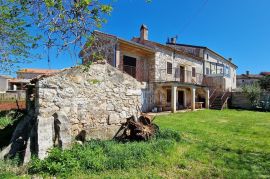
(131, 70)
(178, 75)
(141, 74)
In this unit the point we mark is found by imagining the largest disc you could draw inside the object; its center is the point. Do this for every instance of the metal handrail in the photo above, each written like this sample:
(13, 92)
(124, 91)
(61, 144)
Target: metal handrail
(184, 76)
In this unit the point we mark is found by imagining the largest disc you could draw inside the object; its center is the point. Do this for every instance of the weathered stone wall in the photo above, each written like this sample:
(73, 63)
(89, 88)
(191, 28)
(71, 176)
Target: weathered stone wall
(163, 56)
(101, 46)
(240, 100)
(76, 102)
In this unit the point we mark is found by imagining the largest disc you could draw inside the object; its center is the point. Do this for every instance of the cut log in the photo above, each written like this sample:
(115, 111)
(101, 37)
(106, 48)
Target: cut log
(141, 129)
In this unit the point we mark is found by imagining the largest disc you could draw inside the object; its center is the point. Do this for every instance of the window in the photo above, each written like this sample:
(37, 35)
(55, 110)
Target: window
(193, 72)
(169, 95)
(169, 68)
(213, 68)
(207, 56)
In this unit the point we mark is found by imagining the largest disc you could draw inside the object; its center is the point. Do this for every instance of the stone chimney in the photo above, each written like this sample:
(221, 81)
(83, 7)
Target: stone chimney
(173, 40)
(144, 32)
(247, 73)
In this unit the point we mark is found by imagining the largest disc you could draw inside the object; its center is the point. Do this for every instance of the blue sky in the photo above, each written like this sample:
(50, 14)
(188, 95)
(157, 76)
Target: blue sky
(239, 29)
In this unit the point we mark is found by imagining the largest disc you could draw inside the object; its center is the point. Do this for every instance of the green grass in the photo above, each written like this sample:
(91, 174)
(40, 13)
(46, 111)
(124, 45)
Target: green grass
(224, 144)
(5, 121)
(214, 144)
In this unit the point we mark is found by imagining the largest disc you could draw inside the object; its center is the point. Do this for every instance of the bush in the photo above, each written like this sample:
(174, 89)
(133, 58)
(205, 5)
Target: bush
(97, 156)
(253, 92)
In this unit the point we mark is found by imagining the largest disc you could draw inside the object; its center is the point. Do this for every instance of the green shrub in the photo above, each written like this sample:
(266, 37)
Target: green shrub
(97, 156)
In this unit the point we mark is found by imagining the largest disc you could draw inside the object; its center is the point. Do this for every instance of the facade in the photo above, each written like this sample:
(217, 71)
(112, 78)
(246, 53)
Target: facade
(248, 79)
(4, 83)
(175, 78)
(24, 76)
(219, 72)
(12, 84)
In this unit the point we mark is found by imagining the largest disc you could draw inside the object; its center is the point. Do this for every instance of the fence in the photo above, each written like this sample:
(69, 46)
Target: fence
(12, 96)
(12, 100)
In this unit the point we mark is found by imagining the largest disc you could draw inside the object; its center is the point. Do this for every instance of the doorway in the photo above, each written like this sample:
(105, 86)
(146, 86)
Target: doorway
(129, 65)
(182, 74)
(181, 99)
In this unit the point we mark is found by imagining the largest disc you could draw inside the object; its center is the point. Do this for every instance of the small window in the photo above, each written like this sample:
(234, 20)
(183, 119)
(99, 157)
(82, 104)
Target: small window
(169, 95)
(193, 72)
(207, 56)
(169, 68)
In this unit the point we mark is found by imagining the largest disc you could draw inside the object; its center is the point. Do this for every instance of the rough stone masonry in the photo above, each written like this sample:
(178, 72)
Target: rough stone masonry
(80, 103)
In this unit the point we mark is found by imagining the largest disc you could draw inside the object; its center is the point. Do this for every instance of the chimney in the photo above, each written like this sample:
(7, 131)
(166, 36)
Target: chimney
(144, 32)
(247, 73)
(230, 59)
(173, 40)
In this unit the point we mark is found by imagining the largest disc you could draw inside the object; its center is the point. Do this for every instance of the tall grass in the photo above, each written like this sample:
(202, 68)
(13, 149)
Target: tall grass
(98, 156)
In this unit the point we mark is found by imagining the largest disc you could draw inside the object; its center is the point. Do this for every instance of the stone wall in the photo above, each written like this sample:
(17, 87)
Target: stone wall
(240, 100)
(163, 56)
(101, 46)
(77, 103)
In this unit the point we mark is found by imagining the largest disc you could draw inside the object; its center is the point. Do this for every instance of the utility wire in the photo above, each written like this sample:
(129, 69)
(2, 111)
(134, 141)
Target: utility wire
(191, 18)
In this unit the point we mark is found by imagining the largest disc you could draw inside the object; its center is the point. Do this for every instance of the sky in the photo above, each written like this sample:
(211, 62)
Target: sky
(239, 29)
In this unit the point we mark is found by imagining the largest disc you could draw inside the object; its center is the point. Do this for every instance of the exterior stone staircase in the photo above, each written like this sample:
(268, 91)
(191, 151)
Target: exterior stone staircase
(218, 99)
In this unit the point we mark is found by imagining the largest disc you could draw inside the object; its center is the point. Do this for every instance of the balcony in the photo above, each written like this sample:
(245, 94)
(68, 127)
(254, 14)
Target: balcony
(177, 75)
(140, 73)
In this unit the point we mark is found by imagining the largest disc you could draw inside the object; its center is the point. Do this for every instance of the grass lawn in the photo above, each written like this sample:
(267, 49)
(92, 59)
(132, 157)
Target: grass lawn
(214, 144)
(226, 144)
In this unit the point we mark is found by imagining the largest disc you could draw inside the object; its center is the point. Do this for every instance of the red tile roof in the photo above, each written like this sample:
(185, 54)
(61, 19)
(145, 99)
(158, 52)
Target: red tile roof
(39, 71)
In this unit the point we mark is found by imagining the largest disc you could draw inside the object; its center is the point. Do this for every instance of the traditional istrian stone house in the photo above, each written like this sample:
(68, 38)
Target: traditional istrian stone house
(219, 72)
(175, 78)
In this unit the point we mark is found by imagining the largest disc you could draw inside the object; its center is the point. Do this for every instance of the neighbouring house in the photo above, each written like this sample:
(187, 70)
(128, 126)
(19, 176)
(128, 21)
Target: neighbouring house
(176, 79)
(248, 79)
(30, 73)
(10, 84)
(4, 83)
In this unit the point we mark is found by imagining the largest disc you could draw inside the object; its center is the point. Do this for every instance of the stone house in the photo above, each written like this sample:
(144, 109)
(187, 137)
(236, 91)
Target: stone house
(219, 72)
(175, 78)
(248, 79)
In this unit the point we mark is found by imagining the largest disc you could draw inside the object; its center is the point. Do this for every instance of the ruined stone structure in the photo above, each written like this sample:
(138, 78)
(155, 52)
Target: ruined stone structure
(77, 104)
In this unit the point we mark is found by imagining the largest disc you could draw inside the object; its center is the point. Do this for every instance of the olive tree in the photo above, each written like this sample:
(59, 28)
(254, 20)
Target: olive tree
(253, 92)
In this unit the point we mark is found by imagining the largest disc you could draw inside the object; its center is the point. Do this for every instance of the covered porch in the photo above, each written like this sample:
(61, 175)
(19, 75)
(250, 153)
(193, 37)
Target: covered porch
(175, 96)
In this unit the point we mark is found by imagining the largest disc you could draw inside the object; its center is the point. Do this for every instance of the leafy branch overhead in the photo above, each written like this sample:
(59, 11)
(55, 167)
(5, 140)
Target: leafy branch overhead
(57, 23)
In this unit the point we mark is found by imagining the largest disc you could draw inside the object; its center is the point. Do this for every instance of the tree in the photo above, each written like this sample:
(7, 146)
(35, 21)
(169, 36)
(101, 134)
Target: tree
(265, 83)
(15, 41)
(60, 24)
(253, 92)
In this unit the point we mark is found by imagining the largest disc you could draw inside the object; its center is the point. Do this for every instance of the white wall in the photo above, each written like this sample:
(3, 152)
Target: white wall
(3, 84)
(230, 81)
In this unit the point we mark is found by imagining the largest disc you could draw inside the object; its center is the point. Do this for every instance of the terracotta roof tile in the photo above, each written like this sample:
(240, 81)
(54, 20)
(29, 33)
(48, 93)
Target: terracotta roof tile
(40, 71)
